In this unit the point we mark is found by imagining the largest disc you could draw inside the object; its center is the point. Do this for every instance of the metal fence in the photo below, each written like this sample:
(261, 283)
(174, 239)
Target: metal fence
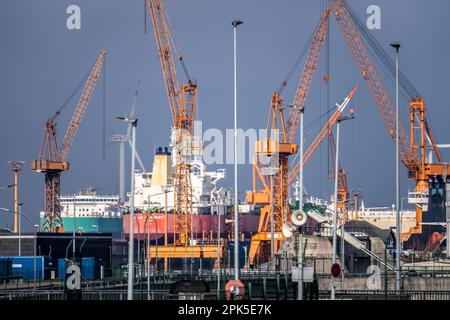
(165, 295)
(386, 295)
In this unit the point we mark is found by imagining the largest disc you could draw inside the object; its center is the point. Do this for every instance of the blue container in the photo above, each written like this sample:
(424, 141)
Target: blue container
(90, 268)
(23, 266)
(5, 269)
(62, 265)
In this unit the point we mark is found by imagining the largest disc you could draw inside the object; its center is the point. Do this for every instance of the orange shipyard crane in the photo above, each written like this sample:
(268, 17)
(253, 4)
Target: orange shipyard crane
(53, 161)
(281, 209)
(412, 152)
(183, 108)
(283, 149)
(259, 250)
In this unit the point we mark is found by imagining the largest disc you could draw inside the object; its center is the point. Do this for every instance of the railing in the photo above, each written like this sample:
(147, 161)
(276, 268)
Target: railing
(386, 295)
(104, 295)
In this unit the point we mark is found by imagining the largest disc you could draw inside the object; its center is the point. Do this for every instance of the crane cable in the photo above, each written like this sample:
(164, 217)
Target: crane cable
(388, 64)
(178, 53)
(83, 80)
(299, 59)
(385, 59)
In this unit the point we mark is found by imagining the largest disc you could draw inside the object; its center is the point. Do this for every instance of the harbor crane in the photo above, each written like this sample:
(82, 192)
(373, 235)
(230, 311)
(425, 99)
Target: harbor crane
(258, 248)
(413, 149)
(284, 147)
(183, 109)
(53, 161)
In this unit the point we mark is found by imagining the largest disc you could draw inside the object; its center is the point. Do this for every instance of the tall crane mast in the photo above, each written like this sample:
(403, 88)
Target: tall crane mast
(283, 147)
(53, 161)
(183, 106)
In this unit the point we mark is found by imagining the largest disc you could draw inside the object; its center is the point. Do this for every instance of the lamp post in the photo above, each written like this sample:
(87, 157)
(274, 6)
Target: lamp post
(396, 46)
(336, 176)
(133, 122)
(74, 228)
(235, 24)
(220, 202)
(300, 207)
(16, 167)
(148, 249)
(20, 228)
(34, 237)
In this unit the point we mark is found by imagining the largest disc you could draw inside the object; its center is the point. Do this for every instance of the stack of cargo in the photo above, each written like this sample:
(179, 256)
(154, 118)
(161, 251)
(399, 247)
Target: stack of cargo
(23, 267)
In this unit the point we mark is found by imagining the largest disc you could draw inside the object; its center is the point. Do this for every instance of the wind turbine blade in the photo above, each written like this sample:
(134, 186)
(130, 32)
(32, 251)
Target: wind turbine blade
(138, 158)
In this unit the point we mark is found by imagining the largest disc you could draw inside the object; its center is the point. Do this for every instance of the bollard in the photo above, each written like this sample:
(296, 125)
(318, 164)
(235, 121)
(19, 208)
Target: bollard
(264, 288)
(278, 286)
(286, 286)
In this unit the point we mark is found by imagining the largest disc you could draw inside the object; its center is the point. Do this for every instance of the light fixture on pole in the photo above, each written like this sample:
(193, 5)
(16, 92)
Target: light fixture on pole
(336, 177)
(300, 207)
(235, 286)
(396, 46)
(16, 166)
(133, 122)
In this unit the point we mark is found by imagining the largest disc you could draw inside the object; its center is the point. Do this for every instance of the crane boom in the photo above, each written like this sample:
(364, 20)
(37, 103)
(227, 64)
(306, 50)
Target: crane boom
(322, 134)
(373, 80)
(81, 107)
(307, 74)
(52, 161)
(162, 36)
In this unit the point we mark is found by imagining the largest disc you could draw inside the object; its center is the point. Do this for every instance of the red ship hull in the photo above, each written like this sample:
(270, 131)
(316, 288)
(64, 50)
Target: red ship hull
(204, 226)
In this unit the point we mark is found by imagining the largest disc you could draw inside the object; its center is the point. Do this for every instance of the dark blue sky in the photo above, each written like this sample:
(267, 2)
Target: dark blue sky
(41, 63)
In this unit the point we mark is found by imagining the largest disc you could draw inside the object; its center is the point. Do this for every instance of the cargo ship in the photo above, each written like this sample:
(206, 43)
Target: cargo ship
(154, 203)
(89, 212)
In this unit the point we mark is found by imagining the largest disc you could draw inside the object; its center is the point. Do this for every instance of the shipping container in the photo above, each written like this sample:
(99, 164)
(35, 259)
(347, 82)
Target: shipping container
(5, 269)
(23, 266)
(62, 265)
(90, 268)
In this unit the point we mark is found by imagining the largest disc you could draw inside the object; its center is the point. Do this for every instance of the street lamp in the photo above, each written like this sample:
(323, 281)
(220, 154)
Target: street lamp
(396, 46)
(16, 167)
(133, 122)
(34, 238)
(335, 213)
(235, 23)
(148, 249)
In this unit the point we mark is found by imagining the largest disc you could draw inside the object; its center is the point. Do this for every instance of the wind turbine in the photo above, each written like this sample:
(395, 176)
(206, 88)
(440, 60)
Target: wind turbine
(122, 139)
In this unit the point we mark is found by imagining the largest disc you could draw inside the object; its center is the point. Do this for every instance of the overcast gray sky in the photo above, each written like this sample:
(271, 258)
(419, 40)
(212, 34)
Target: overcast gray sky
(41, 63)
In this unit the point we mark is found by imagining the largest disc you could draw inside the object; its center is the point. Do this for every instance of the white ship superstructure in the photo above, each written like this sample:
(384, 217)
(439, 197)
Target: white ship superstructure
(154, 189)
(89, 204)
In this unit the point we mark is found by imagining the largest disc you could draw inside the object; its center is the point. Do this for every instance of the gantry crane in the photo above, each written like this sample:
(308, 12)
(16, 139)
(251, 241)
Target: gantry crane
(183, 108)
(53, 161)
